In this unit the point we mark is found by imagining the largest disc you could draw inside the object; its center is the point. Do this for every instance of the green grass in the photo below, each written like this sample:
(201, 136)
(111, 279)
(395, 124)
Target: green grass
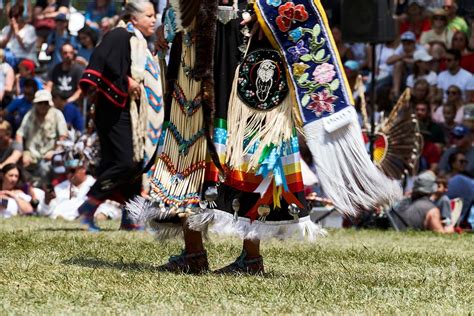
(49, 267)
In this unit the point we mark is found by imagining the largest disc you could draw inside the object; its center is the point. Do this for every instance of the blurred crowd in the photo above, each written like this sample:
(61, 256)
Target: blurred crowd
(45, 125)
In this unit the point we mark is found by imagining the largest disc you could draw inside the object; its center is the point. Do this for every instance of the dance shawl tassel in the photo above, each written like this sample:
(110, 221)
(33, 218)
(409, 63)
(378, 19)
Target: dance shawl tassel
(300, 31)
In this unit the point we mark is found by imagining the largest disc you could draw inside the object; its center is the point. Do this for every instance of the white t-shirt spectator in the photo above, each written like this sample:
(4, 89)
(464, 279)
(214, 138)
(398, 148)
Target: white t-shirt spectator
(432, 79)
(68, 199)
(462, 79)
(28, 35)
(383, 52)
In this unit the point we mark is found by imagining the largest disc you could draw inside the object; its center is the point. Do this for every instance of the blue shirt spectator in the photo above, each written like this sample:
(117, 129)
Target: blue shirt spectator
(18, 108)
(58, 37)
(73, 116)
(71, 112)
(97, 10)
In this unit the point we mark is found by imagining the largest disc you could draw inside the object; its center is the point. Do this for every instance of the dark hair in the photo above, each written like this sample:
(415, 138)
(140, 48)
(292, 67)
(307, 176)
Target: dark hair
(31, 83)
(463, 35)
(452, 158)
(58, 93)
(9, 167)
(88, 31)
(66, 44)
(16, 11)
(455, 52)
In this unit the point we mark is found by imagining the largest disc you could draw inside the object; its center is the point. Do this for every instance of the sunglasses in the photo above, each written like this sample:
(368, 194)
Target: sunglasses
(452, 92)
(462, 161)
(71, 170)
(458, 137)
(449, 59)
(439, 18)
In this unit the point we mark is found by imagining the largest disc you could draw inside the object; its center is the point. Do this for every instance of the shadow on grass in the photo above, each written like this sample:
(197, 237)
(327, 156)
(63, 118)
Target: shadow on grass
(72, 229)
(97, 263)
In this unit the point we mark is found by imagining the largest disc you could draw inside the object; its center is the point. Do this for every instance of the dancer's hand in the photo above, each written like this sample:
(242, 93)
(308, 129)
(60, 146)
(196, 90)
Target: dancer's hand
(249, 19)
(134, 89)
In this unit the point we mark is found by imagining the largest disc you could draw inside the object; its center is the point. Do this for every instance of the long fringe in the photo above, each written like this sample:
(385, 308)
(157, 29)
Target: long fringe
(345, 171)
(223, 223)
(142, 210)
(262, 128)
(187, 126)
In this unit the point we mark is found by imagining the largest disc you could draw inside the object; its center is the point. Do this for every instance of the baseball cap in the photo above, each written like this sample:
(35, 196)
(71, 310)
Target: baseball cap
(425, 182)
(408, 36)
(422, 55)
(28, 64)
(440, 12)
(460, 131)
(352, 65)
(43, 96)
(61, 17)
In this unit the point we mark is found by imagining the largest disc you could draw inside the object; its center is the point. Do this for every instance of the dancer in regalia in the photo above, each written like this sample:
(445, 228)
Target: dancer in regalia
(123, 79)
(263, 92)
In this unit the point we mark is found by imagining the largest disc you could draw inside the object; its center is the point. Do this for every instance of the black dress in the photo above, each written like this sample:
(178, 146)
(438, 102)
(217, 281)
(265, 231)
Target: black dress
(108, 71)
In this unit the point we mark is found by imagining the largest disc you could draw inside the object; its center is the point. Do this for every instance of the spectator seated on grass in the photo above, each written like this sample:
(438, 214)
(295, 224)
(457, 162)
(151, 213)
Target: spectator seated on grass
(41, 129)
(418, 212)
(65, 76)
(462, 138)
(10, 151)
(441, 200)
(19, 37)
(17, 109)
(26, 70)
(13, 200)
(64, 199)
(461, 185)
(73, 116)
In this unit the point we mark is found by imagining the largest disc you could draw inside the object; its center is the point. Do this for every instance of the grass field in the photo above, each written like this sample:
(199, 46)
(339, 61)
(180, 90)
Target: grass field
(50, 267)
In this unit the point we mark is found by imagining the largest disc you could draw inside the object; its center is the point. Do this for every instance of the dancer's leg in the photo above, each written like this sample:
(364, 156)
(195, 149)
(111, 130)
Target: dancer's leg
(194, 257)
(250, 261)
(252, 248)
(192, 240)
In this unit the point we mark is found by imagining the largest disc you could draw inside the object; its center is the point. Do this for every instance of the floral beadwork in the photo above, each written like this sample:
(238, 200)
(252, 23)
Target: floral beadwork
(289, 12)
(320, 85)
